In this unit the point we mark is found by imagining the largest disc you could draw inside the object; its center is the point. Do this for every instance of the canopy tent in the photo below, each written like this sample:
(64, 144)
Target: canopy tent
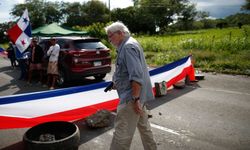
(56, 30)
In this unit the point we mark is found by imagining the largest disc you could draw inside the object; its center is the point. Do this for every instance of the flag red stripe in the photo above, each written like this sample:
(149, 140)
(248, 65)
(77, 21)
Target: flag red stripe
(185, 72)
(71, 115)
(80, 113)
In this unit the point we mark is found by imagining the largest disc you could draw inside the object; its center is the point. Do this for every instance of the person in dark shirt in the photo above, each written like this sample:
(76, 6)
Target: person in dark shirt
(11, 55)
(23, 62)
(36, 60)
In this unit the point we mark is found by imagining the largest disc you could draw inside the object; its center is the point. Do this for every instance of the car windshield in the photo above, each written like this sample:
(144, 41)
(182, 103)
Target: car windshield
(89, 44)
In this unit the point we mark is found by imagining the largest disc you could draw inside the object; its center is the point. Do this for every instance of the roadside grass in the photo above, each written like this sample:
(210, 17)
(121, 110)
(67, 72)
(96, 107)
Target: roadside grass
(215, 50)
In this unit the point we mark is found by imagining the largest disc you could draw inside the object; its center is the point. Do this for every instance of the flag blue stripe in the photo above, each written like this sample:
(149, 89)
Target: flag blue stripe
(168, 66)
(27, 31)
(18, 53)
(66, 91)
(49, 94)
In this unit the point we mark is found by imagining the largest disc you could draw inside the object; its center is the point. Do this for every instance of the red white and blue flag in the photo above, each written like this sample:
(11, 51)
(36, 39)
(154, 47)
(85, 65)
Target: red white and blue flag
(70, 104)
(20, 33)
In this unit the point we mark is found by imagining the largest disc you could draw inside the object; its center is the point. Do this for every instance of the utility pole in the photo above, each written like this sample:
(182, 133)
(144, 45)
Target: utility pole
(109, 12)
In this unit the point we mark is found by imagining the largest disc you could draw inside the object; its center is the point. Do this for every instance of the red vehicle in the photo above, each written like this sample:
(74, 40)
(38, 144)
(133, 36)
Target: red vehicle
(80, 57)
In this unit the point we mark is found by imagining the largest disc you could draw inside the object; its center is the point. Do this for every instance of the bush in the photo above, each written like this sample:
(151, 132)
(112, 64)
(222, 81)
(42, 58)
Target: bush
(95, 30)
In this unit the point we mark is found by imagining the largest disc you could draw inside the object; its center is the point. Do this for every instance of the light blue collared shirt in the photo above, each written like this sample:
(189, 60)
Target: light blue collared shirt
(131, 66)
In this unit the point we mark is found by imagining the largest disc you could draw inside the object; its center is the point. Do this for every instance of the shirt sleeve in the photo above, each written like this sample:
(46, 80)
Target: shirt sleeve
(56, 51)
(133, 63)
(49, 51)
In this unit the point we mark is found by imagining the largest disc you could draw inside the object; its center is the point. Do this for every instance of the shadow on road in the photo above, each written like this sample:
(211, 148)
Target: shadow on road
(16, 146)
(171, 95)
(88, 134)
(6, 68)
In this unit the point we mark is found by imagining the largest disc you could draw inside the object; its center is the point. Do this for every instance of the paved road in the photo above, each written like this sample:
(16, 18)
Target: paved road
(211, 114)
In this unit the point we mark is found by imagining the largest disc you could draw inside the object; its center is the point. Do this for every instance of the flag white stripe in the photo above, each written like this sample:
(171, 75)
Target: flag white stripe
(21, 24)
(30, 109)
(51, 105)
(166, 76)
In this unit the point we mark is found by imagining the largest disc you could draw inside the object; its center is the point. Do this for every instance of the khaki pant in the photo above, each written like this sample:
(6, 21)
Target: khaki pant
(125, 125)
(52, 68)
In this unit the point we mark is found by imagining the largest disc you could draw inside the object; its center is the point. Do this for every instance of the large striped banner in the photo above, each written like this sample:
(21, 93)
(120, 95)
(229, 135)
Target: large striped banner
(70, 104)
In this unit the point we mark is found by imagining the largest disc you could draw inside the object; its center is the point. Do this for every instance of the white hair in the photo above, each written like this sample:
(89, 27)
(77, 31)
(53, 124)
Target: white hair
(117, 26)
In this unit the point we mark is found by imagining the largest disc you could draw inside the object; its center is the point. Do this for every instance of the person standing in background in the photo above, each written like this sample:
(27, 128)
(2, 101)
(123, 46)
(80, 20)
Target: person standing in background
(132, 81)
(35, 60)
(12, 55)
(52, 70)
(23, 62)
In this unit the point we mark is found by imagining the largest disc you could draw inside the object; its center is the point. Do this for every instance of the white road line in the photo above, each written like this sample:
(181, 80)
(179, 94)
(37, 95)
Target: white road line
(164, 129)
(158, 127)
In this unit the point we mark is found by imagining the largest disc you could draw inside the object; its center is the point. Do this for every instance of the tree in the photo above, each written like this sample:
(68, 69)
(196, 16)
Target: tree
(202, 16)
(221, 23)
(86, 14)
(40, 12)
(135, 18)
(96, 11)
(246, 6)
(52, 12)
(126, 15)
(74, 15)
(238, 18)
(3, 28)
(187, 17)
(162, 11)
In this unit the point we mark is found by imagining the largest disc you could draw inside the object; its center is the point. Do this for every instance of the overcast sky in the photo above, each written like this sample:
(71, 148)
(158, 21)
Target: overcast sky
(216, 8)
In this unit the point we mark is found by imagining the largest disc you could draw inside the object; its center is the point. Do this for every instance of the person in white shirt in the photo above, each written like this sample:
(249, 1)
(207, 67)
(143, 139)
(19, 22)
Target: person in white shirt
(52, 70)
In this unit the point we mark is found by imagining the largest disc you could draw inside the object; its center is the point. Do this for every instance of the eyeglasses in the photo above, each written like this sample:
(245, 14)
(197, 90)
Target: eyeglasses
(111, 35)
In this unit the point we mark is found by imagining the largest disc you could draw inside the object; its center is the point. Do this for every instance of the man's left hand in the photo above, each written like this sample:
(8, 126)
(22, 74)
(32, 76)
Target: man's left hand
(138, 107)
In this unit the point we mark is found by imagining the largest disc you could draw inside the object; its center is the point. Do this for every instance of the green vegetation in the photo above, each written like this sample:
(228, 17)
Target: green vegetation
(219, 50)
(224, 50)
(4, 45)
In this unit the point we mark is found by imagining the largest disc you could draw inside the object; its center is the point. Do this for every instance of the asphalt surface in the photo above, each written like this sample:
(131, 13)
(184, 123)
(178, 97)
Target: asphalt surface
(212, 114)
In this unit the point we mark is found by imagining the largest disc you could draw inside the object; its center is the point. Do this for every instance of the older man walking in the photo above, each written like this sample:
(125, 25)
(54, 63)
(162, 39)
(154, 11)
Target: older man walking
(132, 82)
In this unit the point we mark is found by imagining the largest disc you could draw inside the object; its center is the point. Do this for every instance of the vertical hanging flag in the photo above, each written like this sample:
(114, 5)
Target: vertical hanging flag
(20, 33)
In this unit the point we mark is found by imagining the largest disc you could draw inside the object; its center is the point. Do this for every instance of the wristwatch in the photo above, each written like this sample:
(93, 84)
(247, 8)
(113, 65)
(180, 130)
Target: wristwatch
(134, 98)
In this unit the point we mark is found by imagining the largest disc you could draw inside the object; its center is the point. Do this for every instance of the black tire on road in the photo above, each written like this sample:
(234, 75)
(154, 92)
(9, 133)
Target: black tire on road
(66, 136)
(100, 76)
